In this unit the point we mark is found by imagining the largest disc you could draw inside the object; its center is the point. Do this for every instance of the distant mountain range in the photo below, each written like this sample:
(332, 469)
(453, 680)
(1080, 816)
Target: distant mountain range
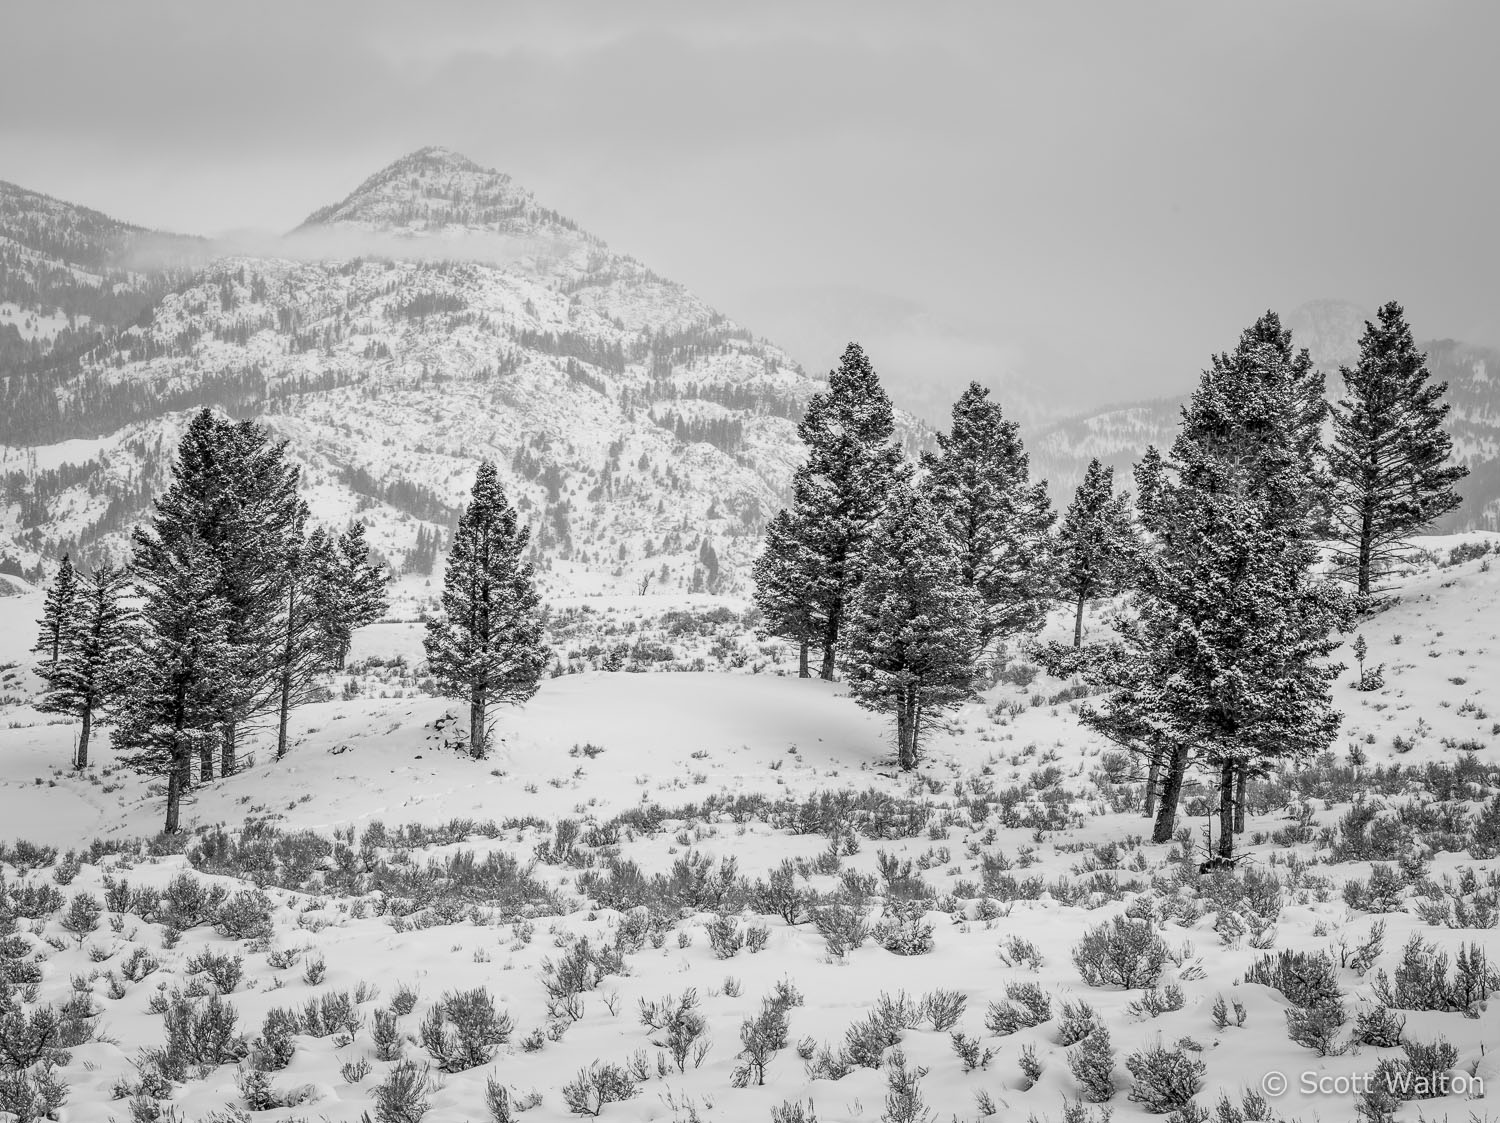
(436, 315)
(440, 314)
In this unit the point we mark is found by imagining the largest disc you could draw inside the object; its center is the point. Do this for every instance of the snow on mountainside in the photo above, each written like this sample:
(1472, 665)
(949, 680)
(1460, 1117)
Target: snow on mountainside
(1330, 330)
(642, 434)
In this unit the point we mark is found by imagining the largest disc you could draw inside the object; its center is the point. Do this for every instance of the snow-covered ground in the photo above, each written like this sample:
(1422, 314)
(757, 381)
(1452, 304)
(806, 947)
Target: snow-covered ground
(681, 773)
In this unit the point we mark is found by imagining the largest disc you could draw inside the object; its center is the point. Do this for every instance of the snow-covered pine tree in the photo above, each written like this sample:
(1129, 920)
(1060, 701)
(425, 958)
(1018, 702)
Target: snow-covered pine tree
(352, 592)
(304, 653)
(853, 462)
(57, 612)
(1391, 457)
(979, 481)
(233, 491)
(171, 709)
(910, 641)
(93, 647)
(1233, 626)
(784, 575)
(487, 645)
(1096, 544)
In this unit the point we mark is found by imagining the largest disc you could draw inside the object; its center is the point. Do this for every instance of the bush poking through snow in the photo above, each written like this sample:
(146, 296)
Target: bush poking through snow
(402, 1096)
(1076, 1021)
(679, 1026)
(224, 971)
(843, 926)
(1123, 952)
(462, 1031)
(32, 1093)
(1092, 1062)
(903, 930)
(903, 1098)
(1379, 1028)
(969, 1052)
(596, 1086)
(245, 916)
(943, 1008)
(1165, 1079)
(1025, 1005)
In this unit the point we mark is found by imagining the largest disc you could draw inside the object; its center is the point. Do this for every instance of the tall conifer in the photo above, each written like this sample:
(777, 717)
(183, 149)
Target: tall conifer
(487, 647)
(1391, 458)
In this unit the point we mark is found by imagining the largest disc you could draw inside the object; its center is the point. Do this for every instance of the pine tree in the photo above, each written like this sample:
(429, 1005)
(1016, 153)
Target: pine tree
(1226, 664)
(911, 639)
(352, 593)
(998, 519)
(57, 612)
(304, 650)
(233, 491)
(91, 652)
(784, 573)
(1096, 544)
(852, 463)
(1390, 458)
(171, 709)
(487, 646)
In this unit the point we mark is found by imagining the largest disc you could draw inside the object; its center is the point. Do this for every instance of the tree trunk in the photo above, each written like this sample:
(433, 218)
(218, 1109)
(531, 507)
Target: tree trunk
(1153, 778)
(287, 654)
(1241, 787)
(1227, 772)
(802, 671)
(476, 724)
(231, 743)
(81, 760)
(176, 783)
(830, 643)
(1175, 771)
(206, 757)
(1078, 625)
(906, 734)
(1366, 547)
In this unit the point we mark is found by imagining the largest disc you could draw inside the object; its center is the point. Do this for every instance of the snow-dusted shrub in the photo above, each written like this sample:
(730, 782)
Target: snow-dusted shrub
(789, 1112)
(1307, 979)
(402, 1096)
(1025, 1005)
(866, 1041)
(1092, 1062)
(903, 929)
(903, 1098)
(272, 1050)
(31, 1094)
(696, 883)
(44, 1034)
(679, 1026)
(1075, 1021)
(780, 895)
(598, 1085)
(1031, 1066)
(1381, 893)
(245, 916)
(1379, 1027)
(197, 1034)
(385, 1035)
(580, 969)
(1317, 1027)
(762, 1037)
(969, 1052)
(843, 926)
(82, 915)
(1124, 952)
(1484, 838)
(1154, 1002)
(1422, 981)
(188, 902)
(139, 964)
(1222, 1012)
(224, 971)
(461, 1031)
(1165, 1079)
(1021, 953)
(404, 1001)
(725, 937)
(942, 1008)
(329, 1013)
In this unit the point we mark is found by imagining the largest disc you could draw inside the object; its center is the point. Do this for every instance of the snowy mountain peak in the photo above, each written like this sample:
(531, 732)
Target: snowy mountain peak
(435, 190)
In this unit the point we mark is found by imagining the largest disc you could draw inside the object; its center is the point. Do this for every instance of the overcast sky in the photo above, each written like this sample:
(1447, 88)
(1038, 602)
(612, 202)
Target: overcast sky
(1086, 196)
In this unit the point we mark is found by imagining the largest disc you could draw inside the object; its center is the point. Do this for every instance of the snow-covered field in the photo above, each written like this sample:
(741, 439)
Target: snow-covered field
(623, 836)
